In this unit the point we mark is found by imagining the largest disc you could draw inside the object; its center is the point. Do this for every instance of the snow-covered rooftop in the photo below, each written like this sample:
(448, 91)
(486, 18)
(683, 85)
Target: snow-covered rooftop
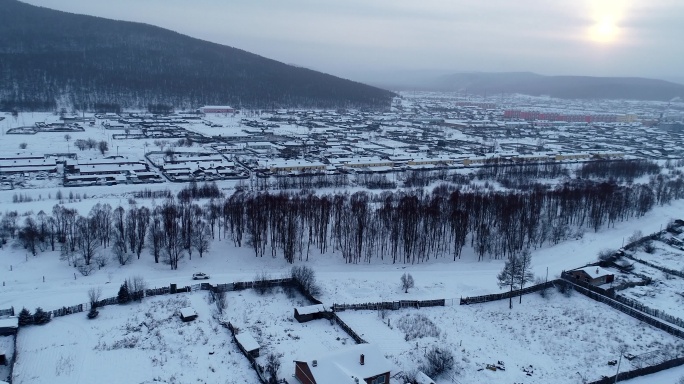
(188, 312)
(9, 322)
(595, 272)
(309, 309)
(341, 367)
(247, 341)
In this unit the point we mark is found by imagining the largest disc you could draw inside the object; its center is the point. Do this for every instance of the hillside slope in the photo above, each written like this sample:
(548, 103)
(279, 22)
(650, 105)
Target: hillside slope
(50, 58)
(568, 87)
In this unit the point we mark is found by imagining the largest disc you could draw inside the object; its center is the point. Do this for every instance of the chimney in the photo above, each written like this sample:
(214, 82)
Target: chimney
(314, 363)
(597, 271)
(362, 361)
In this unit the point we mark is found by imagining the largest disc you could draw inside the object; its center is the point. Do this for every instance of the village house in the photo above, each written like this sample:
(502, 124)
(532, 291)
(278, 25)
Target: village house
(592, 275)
(362, 363)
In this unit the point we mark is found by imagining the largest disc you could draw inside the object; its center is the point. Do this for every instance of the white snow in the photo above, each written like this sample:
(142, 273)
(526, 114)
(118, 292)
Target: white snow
(563, 339)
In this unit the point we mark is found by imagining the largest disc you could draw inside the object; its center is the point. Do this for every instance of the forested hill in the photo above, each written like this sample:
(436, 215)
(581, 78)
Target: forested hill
(50, 58)
(568, 87)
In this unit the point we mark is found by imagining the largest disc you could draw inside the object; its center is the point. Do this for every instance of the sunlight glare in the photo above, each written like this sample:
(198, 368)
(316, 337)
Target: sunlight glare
(607, 15)
(605, 31)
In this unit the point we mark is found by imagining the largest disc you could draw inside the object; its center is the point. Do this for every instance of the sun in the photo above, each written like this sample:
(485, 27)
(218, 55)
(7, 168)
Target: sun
(605, 31)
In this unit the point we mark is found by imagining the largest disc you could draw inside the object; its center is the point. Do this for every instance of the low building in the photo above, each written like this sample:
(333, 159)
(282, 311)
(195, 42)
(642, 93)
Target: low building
(248, 343)
(9, 325)
(309, 312)
(593, 275)
(188, 314)
(217, 109)
(362, 363)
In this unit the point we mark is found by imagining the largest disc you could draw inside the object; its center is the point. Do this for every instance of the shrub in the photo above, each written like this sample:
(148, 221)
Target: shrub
(306, 277)
(272, 367)
(544, 291)
(41, 317)
(25, 317)
(123, 296)
(261, 283)
(606, 254)
(93, 313)
(417, 326)
(565, 289)
(437, 361)
(649, 247)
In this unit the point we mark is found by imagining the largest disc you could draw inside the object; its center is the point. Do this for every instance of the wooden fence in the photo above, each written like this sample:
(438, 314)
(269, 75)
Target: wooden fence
(507, 295)
(7, 312)
(610, 293)
(658, 267)
(260, 371)
(389, 305)
(641, 371)
(237, 286)
(627, 310)
(347, 329)
(68, 310)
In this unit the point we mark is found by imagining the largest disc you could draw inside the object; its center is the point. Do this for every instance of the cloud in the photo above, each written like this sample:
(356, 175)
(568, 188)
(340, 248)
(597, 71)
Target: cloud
(348, 36)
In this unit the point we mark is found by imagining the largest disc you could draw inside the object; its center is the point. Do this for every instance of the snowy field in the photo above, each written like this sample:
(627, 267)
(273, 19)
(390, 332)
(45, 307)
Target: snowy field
(135, 343)
(562, 339)
(551, 338)
(341, 283)
(664, 293)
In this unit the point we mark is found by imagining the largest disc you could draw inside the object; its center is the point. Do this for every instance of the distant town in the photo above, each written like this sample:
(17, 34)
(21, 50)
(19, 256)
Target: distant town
(423, 132)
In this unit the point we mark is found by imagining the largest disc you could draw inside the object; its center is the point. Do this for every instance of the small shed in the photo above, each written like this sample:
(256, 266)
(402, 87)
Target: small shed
(188, 314)
(9, 325)
(309, 312)
(248, 343)
(593, 275)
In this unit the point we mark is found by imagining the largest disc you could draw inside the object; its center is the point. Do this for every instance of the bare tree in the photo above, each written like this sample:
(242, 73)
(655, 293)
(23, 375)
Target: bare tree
(406, 282)
(156, 237)
(86, 238)
(119, 228)
(103, 147)
(200, 237)
(28, 235)
(136, 287)
(94, 296)
(120, 253)
(142, 224)
(305, 276)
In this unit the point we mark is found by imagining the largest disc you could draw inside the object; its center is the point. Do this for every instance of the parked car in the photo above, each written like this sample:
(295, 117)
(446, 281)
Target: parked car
(200, 276)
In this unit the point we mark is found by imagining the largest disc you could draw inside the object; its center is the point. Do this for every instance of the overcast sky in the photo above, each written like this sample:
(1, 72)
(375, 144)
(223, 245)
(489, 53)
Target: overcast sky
(360, 39)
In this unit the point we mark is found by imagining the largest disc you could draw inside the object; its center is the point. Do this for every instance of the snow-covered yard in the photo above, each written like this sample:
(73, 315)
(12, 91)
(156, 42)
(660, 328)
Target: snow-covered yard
(136, 343)
(269, 318)
(557, 339)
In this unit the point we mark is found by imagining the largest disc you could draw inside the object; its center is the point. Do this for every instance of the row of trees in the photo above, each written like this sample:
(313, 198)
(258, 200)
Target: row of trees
(169, 231)
(405, 226)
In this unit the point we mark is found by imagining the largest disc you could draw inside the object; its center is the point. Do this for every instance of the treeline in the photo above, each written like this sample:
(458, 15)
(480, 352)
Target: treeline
(625, 170)
(169, 232)
(402, 227)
